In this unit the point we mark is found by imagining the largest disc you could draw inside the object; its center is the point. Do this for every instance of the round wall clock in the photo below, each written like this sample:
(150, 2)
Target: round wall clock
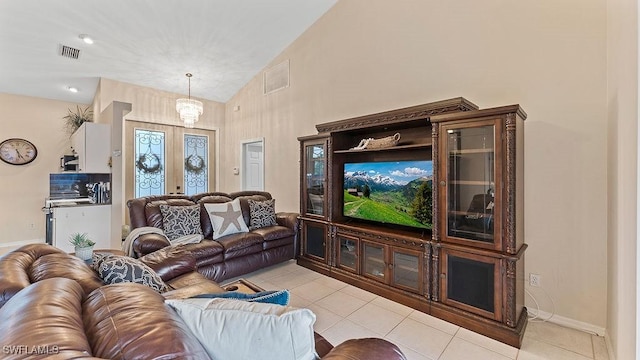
(17, 151)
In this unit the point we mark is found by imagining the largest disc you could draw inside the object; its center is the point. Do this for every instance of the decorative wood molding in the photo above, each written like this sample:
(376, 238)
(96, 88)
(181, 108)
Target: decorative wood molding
(435, 203)
(389, 239)
(427, 272)
(419, 112)
(510, 184)
(476, 114)
(510, 310)
(435, 272)
(333, 240)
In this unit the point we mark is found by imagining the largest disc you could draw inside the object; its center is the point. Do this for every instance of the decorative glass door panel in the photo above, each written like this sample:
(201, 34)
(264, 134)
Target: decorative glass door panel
(315, 174)
(407, 269)
(472, 282)
(373, 260)
(196, 164)
(163, 159)
(348, 252)
(471, 180)
(150, 162)
(314, 237)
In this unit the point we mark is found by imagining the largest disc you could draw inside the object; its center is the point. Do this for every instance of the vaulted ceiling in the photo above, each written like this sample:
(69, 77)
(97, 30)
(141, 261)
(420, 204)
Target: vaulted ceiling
(153, 43)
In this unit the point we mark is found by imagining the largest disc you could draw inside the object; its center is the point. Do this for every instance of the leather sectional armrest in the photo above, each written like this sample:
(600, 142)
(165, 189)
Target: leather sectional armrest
(170, 262)
(288, 219)
(368, 348)
(148, 243)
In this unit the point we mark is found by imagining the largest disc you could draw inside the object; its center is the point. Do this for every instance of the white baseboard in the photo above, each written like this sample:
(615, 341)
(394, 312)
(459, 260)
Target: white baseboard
(571, 323)
(10, 246)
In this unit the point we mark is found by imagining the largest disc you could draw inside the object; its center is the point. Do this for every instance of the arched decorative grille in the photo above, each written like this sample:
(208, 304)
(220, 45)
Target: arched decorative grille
(196, 164)
(150, 166)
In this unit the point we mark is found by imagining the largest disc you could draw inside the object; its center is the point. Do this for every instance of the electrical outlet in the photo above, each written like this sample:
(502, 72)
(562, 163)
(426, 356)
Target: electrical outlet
(32, 226)
(535, 280)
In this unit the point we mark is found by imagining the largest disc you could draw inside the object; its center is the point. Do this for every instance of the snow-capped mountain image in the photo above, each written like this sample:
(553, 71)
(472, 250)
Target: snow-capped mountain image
(389, 192)
(385, 176)
(375, 181)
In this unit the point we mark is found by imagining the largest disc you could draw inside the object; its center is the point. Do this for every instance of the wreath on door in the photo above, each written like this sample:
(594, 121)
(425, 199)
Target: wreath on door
(149, 163)
(194, 164)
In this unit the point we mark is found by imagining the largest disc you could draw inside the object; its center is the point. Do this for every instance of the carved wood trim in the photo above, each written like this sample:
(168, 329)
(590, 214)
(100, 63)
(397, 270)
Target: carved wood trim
(510, 306)
(435, 186)
(510, 184)
(435, 271)
(328, 182)
(388, 239)
(331, 247)
(426, 273)
(400, 115)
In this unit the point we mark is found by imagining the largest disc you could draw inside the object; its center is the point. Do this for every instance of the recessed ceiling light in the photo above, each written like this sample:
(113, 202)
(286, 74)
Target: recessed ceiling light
(72, 89)
(86, 38)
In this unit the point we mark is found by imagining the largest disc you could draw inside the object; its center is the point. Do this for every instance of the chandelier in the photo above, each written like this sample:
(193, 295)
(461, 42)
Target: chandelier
(189, 109)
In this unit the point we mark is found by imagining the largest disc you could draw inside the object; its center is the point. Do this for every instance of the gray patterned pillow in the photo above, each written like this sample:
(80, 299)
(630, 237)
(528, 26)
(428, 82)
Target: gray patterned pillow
(263, 213)
(180, 220)
(114, 269)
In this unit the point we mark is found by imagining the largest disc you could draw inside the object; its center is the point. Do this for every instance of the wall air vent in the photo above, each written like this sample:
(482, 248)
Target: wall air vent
(68, 52)
(276, 78)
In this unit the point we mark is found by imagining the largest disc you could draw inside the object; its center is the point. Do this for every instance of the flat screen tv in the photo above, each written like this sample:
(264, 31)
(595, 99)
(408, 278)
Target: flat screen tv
(393, 192)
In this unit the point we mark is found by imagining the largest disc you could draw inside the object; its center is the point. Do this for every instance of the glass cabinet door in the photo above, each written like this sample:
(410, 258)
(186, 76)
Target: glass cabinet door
(373, 260)
(471, 182)
(315, 173)
(472, 282)
(407, 269)
(314, 240)
(348, 252)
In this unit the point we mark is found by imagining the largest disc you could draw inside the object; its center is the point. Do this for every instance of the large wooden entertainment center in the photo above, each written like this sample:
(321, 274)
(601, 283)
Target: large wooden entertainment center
(469, 268)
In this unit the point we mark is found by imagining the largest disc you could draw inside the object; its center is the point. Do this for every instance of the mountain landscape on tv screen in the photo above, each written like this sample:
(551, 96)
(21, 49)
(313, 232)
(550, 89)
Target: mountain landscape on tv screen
(389, 192)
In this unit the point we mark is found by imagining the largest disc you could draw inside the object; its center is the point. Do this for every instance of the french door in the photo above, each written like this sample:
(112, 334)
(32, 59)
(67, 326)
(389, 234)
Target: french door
(165, 159)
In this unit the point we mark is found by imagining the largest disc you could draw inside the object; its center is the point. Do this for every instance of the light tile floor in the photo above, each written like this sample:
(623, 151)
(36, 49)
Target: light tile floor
(346, 312)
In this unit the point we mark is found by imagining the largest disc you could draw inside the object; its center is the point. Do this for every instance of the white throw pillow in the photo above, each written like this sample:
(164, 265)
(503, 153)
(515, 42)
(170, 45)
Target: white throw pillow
(235, 329)
(226, 218)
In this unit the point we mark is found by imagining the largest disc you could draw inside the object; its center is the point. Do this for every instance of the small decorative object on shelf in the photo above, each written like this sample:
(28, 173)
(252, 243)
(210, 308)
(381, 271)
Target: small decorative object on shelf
(385, 142)
(83, 245)
(73, 120)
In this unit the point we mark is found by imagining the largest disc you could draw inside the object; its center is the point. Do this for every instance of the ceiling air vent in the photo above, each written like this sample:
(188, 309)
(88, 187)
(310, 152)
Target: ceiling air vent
(68, 52)
(276, 78)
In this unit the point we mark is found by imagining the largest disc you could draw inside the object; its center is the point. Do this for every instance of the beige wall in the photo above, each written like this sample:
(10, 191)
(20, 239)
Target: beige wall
(366, 56)
(622, 101)
(153, 105)
(23, 189)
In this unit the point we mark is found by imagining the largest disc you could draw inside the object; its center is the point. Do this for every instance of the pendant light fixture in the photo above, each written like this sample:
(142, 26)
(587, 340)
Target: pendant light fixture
(189, 109)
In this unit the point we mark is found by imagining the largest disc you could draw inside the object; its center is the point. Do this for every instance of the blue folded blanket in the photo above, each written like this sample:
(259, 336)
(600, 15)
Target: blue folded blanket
(278, 297)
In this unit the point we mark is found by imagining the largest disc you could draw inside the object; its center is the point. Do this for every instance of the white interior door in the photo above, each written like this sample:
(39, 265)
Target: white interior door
(252, 172)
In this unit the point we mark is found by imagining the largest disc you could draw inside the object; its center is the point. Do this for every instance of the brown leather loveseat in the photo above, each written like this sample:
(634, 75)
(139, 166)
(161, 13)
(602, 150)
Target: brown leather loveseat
(54, 306)
(229, 256)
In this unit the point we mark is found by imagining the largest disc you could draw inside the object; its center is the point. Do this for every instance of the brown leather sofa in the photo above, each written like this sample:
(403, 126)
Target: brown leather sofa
(54, 306)
(229, 256)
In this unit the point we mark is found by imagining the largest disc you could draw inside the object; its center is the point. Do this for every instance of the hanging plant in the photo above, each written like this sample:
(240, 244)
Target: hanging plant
(194, 164)
(74, 119)
(149, 164)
